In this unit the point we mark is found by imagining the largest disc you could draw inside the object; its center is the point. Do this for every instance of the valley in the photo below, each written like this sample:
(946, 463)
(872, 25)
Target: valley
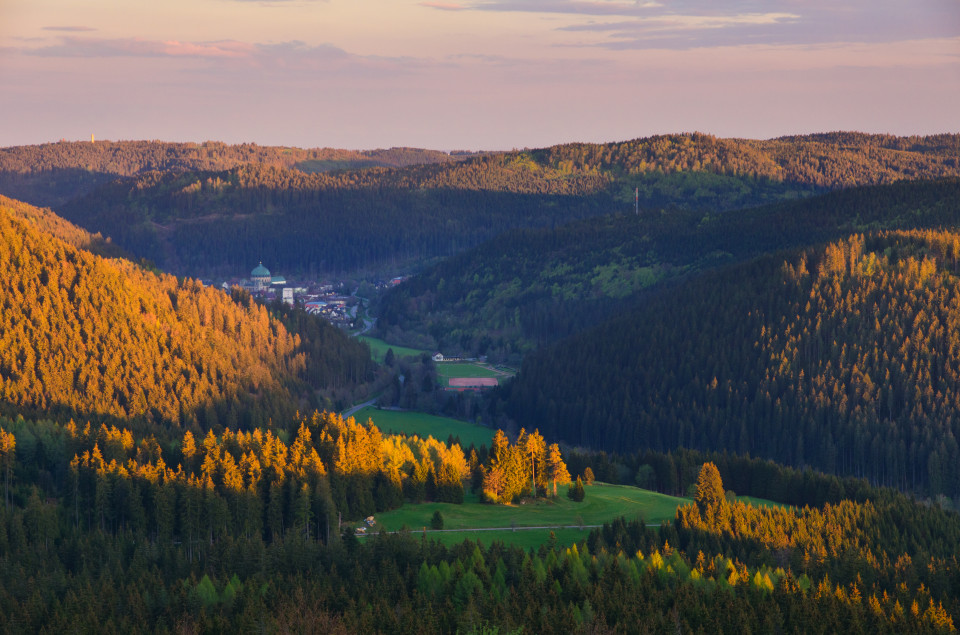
(582, 387)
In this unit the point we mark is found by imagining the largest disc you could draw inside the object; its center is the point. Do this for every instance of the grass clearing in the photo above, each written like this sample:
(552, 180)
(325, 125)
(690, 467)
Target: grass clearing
(602, 504)
(523, 538)
(379, 348)
(424, 425)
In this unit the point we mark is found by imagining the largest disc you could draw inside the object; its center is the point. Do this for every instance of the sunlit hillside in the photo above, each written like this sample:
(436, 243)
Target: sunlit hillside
(88, 336)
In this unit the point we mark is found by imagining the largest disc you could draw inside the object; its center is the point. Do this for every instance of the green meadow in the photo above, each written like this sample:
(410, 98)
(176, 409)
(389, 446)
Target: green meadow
(424, 425)
(379, 348)
(570, 522)
(523, 538)
(603, 503)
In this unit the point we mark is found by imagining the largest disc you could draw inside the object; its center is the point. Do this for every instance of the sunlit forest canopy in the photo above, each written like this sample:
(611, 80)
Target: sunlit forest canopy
(87, 336)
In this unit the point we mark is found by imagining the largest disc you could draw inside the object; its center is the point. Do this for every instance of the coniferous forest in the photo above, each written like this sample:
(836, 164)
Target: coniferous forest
(771, 334)
(202, 210)
(839, 357)
(530, 287)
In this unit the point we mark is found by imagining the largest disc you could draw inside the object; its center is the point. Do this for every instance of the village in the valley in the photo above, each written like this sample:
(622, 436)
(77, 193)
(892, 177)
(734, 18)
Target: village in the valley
(335, 301)
(340, 303)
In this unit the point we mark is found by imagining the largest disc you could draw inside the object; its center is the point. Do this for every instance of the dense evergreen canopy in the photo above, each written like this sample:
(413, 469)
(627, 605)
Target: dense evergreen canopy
(843, 357)
(530, 287)
(87, 336)
(203, 209)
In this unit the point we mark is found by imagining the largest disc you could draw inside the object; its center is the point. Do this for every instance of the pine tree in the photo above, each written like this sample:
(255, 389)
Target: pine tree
(556, 468)
(575, 492)
(8, 445)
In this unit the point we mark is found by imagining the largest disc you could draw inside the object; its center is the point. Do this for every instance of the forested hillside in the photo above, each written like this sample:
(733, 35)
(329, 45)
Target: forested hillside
(218, 222)
(845, 358)
(53, 173)
(237, 538)
(46, 221)
(85, 336)
(530, 287)
(206, 215)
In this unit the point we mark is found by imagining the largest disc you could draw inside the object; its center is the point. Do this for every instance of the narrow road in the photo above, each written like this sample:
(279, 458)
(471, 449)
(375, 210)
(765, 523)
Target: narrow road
(352, 409)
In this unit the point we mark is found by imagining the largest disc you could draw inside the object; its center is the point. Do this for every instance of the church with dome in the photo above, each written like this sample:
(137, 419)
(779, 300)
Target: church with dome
(260, 277)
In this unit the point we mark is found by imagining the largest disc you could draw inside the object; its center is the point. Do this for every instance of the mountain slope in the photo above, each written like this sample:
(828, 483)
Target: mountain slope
(53, 173)
(211, 221)
(528, 287)
(846, 358)
(85, 336)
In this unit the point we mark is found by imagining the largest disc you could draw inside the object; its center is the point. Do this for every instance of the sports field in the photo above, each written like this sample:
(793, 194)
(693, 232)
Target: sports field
(424, 425)
(446, 370)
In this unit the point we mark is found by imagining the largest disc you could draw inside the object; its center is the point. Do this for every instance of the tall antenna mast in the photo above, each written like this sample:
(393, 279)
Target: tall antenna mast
(636, 201)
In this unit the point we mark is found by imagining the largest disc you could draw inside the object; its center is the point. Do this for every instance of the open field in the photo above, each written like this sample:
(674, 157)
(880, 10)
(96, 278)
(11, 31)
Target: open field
(523, 538)
(446, 370)
(563, 517)
(602, 504)
(424, 425)
(379, 348)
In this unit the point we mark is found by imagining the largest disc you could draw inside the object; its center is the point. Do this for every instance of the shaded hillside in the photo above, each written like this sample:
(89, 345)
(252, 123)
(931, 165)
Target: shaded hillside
(529, 287)
(53, 173)
(212, 221)
(846, 358)
(218, 223)
(48, 222)
(85, 336)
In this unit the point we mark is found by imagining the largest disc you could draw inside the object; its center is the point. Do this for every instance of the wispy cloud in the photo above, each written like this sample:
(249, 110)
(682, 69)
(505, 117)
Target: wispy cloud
(69, 29)
(137, 47)
(443, 6)
(277, 2)
(285, 57)
(706, 23)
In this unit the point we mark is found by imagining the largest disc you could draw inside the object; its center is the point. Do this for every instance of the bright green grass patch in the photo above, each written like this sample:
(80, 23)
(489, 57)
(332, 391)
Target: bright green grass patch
(424, 425)
(602, 504)
(523, 538)
(447, 370)
(379, 348)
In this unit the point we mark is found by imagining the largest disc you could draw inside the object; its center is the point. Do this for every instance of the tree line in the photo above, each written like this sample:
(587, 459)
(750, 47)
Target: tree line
(337, 221)
(886, 564)
(840, 357)
(85, 336)
(530, 287)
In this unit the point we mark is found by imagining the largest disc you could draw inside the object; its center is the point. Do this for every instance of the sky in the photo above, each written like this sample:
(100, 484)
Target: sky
(473, 74)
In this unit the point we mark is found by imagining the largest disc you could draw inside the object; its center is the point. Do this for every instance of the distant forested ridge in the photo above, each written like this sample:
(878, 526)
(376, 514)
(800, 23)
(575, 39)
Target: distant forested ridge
(846, 358)
(219, 223)
(52, 173)
(85, 336)
(530, 287)
(207, 215)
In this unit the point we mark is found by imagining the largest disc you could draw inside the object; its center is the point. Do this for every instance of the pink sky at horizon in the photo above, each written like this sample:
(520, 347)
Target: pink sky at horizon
(483, 74)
